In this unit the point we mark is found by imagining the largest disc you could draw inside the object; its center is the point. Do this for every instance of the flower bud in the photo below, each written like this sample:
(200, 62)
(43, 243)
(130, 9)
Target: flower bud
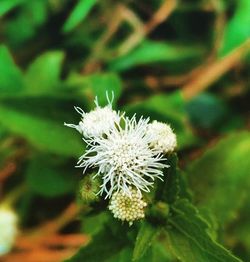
(127, 208)
(162, 137)
(88, 189)
(159, 212)
(97, 122)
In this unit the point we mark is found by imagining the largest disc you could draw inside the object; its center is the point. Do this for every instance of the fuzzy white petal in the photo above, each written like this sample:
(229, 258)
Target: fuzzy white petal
(162, 137)
(123, 158)
(96, 122)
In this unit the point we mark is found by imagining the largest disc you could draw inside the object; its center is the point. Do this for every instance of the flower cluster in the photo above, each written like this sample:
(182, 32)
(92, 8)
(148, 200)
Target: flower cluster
(128, 155)
(8, 229)
(163, 137)
(127, 208)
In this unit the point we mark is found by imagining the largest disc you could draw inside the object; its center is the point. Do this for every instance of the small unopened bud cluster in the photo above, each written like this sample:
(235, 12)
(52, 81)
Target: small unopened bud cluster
(88, 189)
(127, 208)
(92, 125)
(163, 137)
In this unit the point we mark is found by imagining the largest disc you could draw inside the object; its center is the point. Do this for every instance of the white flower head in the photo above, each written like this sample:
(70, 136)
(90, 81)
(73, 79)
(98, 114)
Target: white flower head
(8, 229)
(127, 208)
(96, 122)
(124, 158)
(162, 137)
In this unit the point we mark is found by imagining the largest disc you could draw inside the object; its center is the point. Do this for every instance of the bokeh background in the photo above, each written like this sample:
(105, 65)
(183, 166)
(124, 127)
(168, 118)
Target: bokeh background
(184, 62)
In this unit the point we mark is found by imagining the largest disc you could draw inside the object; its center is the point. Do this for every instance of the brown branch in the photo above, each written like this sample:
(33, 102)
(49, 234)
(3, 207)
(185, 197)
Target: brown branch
(214, 71)
(45, 244)
(160, 83)
(41, 255)
(63, 219)
(7, 170)
(99, 47)
(137, 35)
(160, 15)
(36, 236)
(122, 13)
(54, 240)
(140, 30)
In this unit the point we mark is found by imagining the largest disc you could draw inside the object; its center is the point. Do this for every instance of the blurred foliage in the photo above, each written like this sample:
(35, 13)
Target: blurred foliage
(181, 62)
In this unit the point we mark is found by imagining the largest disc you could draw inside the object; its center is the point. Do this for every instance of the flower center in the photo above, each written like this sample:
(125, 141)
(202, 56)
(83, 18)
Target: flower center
(124, 155)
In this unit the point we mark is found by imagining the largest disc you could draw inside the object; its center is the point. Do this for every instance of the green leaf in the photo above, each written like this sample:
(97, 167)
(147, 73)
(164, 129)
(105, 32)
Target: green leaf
(237, 29)
(103, 86)
(42, 133)
(225, 168)
(169, 109)
(144, 240)
(188, 237)
(48, 178)
(2, 132)
(239, 229)
(92, 224)
(100, 85)
(103, 247)
(213, 229)
(171, 189)
(44, 73)
(11, 80)
(7, 148)
(157, 253)
(124, 255)
(78, 14)
(152, 52)
(25, 23)
(8, 5)
(174, 185)
(168, 190)
(208, 105)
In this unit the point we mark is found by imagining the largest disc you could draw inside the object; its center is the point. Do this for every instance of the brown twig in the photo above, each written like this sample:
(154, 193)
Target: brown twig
(59, 222)
(214, 71)
(176, 80)
(8, 169)
(160, 15)
(37, 236)
(41, 255)
(219, 25)
(54, 240)
(123, 13)
(140, 30)
(98, 49)
(45, 244)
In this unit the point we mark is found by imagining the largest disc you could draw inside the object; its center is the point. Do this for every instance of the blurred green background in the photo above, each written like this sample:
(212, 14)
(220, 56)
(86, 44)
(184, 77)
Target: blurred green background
(183, 62)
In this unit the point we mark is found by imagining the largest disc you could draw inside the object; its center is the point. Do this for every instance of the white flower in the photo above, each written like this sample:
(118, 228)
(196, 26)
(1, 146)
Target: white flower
(162, 137)
(127, 208)
(8, 229)
(123, 158)
(96, 122)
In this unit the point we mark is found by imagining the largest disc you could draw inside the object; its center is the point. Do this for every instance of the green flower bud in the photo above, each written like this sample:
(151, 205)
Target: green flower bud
(159, 212)
(88, 189)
